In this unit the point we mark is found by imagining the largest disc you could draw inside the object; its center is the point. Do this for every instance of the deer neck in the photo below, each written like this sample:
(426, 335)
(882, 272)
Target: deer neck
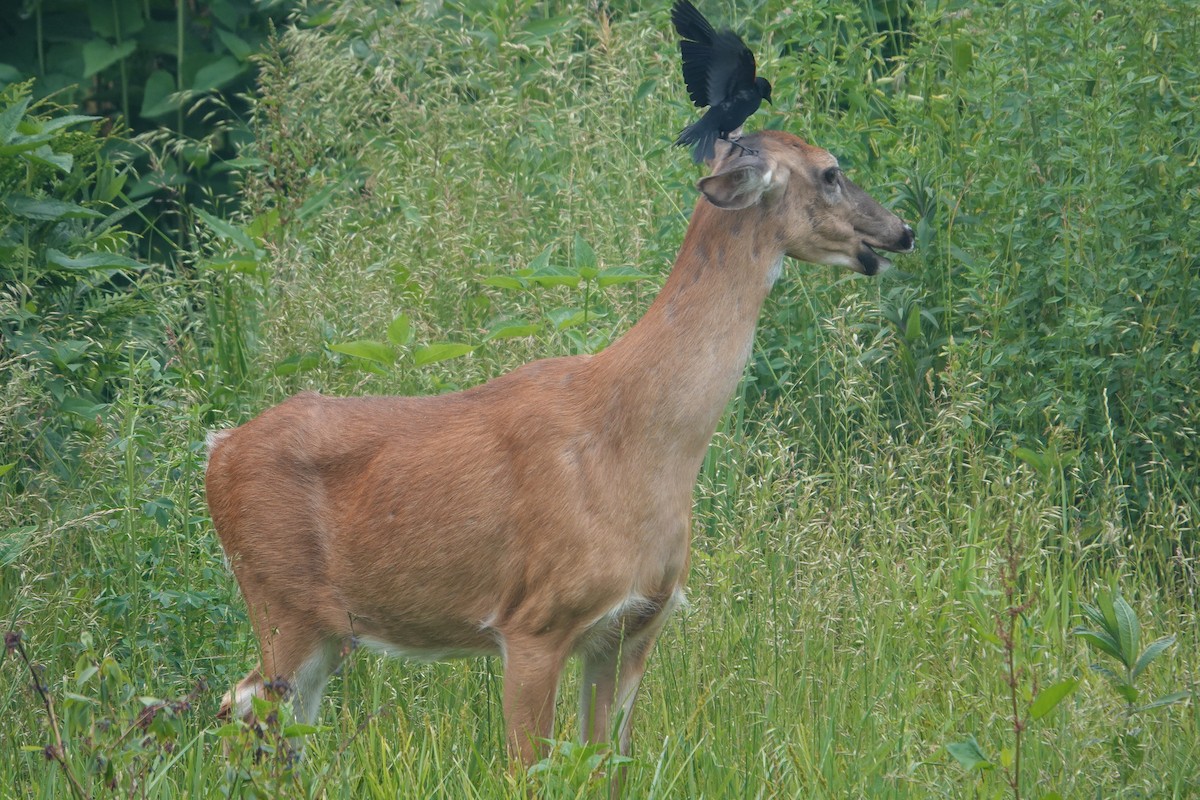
(673, 373)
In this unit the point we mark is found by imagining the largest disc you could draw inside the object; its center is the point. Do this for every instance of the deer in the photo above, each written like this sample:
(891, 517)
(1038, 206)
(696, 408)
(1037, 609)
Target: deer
(546, 513)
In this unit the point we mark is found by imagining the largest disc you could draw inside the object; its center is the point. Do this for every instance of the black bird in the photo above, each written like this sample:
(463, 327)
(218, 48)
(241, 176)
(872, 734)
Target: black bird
(718, 69)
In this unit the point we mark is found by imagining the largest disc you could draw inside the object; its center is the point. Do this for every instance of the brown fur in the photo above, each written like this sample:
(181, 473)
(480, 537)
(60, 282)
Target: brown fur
(543, 513)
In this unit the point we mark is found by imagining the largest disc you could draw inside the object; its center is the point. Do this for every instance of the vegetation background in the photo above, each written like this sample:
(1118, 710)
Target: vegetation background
(947, 525)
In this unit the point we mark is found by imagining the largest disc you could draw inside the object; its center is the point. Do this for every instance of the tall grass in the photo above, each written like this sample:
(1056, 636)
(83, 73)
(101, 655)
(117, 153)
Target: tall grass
(859, 506)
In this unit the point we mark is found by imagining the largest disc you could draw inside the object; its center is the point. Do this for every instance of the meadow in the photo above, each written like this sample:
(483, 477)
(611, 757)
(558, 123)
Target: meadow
(945, 541)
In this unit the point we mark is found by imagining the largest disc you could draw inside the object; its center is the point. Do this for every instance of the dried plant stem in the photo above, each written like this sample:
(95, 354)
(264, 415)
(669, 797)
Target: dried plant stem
(56, 751)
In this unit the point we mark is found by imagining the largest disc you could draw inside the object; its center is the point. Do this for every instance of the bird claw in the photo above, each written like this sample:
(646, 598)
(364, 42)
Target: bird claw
(746, 151)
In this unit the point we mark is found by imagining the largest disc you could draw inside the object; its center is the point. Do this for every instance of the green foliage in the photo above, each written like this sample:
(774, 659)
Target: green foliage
(1117, 635)
(70, 299)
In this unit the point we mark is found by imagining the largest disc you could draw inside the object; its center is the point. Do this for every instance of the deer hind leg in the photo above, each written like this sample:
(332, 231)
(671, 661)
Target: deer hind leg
(612, 674)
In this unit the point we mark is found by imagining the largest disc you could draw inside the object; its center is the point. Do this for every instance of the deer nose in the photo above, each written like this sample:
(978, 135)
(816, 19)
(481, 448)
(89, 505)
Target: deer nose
(907, 241)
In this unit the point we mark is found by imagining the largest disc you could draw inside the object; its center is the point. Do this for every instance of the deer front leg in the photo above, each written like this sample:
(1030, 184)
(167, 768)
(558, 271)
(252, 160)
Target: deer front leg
(531, 674)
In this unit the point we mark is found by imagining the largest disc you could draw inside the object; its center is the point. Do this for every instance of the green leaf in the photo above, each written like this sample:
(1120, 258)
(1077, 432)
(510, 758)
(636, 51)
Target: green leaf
(504, 282)
(400, 331)
(1100, 641)
(52, 125)
(48, 209)
(93, 261)
(366, 349)
(228, 729)
(443, 351)
(100, 53)
(7, 468)
(584, 258)
(969, 754)
(644, 90)
(216, 74)
(1153, 651)
(511, 329)
(1166, 700)
(158, 95)
(1128, 629)
(299, 729)
(227, 231)
(9, 119)
(1050, 697)
(45, 155)
(300, 362)
(240, 48)
(961, 55)
(551, 275)
(564, 318)
(616, 275)
(1035, 460)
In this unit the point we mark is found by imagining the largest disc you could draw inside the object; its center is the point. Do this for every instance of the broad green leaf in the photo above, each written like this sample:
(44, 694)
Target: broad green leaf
(227, 231)
(503, 282)
(511, 329)
(551, 275)
(969, 754)
(45, 155)
(1101, 641)
(216, 74)
(564, 318)
(301, 362)
(961, 55)
(10, 117)
(99, 54)
(6, 468)
(1050, 697)
(1166, 700)
(1153, 651)
(912, 330)
(644, 90)
(443, 351)
(159, 96)
(246, 264)
(1035, 460)
(93, 261)
(366, 349)
(584, 258)
(1129, 630)
(299, 729)
(400, 331)
(51, 125)
(240, 48)
(616, 275)
(48, 209)
(1095, 615)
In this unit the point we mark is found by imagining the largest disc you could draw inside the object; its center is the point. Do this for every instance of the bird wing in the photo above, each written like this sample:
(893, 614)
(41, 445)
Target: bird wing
(731, 69)
(696, 38)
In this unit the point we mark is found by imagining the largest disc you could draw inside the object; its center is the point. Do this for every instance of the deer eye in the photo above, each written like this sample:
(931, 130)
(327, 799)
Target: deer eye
(830, 176)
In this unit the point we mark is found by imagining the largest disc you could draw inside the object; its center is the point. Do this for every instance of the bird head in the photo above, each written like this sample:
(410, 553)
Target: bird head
(764, 88)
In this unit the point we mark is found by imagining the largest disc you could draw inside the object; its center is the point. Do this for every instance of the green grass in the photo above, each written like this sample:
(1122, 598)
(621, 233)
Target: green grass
(859, 504)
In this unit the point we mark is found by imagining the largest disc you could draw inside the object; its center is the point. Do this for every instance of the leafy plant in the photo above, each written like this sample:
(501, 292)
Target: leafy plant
(1117, 635)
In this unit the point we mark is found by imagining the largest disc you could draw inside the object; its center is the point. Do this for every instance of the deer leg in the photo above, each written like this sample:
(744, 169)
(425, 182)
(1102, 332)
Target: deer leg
(531, 674)
(296, 667)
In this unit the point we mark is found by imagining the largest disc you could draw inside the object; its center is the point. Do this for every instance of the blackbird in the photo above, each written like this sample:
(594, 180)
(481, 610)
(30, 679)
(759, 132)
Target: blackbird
(718, 69)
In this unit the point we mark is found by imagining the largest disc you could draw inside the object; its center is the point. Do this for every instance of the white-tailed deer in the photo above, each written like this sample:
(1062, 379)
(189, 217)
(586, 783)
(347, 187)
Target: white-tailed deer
(545, 513)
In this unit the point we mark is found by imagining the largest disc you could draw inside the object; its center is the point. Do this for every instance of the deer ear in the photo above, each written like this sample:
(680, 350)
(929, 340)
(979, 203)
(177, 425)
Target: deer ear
(738, 182)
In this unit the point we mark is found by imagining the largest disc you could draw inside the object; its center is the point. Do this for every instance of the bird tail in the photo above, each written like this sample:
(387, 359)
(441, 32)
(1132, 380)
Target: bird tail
(702, 137)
